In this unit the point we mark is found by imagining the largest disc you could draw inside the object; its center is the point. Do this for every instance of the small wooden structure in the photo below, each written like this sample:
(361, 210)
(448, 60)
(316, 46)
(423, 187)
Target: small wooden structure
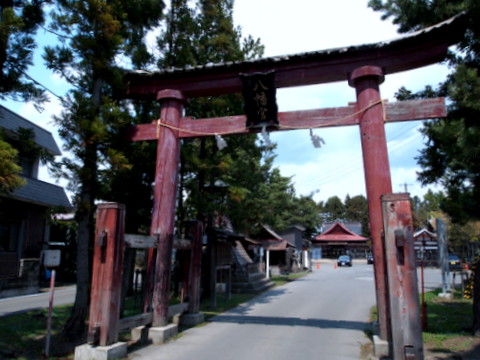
(110, 242)
(426, 247)
(294, 235)
(338, 240)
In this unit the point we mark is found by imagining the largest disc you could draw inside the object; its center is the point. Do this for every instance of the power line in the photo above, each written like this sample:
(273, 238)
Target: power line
(347, 168)
(43, 86)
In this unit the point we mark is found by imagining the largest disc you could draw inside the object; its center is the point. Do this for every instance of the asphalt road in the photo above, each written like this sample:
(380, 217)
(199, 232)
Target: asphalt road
(17, 304)
(321, 316)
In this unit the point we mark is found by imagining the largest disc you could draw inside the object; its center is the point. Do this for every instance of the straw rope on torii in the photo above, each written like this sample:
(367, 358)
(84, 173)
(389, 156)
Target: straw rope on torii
(295, 120)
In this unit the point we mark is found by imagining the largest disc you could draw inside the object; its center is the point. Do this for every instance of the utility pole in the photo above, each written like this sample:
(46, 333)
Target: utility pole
(405, 186)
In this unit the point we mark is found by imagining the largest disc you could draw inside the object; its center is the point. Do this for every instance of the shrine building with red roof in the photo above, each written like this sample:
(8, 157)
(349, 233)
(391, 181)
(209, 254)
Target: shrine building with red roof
(338, 240)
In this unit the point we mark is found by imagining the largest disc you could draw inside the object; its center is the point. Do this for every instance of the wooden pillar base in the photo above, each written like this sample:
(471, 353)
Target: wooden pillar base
(111, 352)
(159, 335)
(139, 334)
(192, 319)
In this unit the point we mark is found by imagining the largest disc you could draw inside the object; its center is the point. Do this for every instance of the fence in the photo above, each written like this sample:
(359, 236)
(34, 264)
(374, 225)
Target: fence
(106, 293)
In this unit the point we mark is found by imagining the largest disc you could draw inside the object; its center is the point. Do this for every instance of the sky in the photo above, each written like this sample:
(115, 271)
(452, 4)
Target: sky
(336, 169)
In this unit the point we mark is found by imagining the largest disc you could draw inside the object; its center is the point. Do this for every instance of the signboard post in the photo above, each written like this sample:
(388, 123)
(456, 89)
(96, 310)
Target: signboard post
(51, 260)
(443, 257)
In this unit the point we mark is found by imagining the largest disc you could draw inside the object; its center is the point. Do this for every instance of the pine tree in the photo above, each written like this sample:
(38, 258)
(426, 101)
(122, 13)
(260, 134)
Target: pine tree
(93, 34)
(334, 209)
(356, 209)
(19, 21)
(197, 35)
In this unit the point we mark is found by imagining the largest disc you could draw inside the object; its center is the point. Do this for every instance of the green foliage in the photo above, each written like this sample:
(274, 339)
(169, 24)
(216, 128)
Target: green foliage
(450, 157)
(23, 335)
(93, 36)
(9, 170)
(19, 21)
(356, 209)
(200, 33)
(448, 316)
(27, 146)
(427, 208)
(179, 40)
(280, 280)
(412, 15)
(22, 145)
(333, 210)
(307, 213)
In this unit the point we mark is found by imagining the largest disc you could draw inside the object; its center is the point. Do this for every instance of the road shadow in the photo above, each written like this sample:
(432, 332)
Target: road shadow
(265, 298)
(291, 321)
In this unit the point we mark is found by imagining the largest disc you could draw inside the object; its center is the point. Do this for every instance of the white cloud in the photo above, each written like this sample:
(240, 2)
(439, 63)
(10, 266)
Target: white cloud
(310, 25)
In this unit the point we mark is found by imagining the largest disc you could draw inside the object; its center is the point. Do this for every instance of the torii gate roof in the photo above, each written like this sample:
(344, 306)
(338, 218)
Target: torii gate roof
(418, 49)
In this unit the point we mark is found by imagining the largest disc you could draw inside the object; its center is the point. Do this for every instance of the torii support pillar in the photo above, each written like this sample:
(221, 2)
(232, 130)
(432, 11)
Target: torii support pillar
(194, 317)
(163, 217)
(106, 275)
(366, 80)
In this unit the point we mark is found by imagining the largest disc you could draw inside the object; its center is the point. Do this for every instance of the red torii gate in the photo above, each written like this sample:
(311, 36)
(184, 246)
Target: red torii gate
(364, 67)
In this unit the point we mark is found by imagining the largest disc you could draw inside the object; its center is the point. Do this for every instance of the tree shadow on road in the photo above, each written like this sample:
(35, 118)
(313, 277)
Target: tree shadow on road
(291, 321)
(264, 298)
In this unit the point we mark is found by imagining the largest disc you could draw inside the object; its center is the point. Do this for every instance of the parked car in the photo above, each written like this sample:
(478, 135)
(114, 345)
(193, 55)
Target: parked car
(344, 260)
(454, 262)
(370, 259)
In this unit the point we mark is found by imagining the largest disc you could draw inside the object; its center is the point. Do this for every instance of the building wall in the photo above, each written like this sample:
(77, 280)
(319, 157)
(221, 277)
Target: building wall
(22, 230)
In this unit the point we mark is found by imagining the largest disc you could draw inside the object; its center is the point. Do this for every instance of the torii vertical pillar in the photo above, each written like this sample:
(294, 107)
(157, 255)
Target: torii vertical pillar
(163, 217)
(366, 80)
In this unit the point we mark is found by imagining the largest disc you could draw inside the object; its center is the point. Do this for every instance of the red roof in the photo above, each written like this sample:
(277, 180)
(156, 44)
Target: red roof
(338, 232)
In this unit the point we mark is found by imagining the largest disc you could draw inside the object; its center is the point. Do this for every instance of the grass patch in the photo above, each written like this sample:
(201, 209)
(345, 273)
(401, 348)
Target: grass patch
(449, 326)
(223, 304)
(448, 316)
(23, 335)
(280, 280)
(449, 323)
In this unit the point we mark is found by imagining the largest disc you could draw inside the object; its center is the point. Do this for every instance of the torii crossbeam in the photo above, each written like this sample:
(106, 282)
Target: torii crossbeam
(364, 67)
(293, 120)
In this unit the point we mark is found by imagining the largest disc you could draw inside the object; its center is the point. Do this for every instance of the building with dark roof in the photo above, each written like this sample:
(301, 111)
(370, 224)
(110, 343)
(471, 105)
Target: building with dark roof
(24, 226)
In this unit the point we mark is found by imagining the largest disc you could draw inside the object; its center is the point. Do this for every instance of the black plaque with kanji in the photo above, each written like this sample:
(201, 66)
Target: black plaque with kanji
(260, 103)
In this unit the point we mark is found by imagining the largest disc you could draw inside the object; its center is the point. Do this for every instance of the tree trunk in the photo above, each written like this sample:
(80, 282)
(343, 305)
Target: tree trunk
(76, 327)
